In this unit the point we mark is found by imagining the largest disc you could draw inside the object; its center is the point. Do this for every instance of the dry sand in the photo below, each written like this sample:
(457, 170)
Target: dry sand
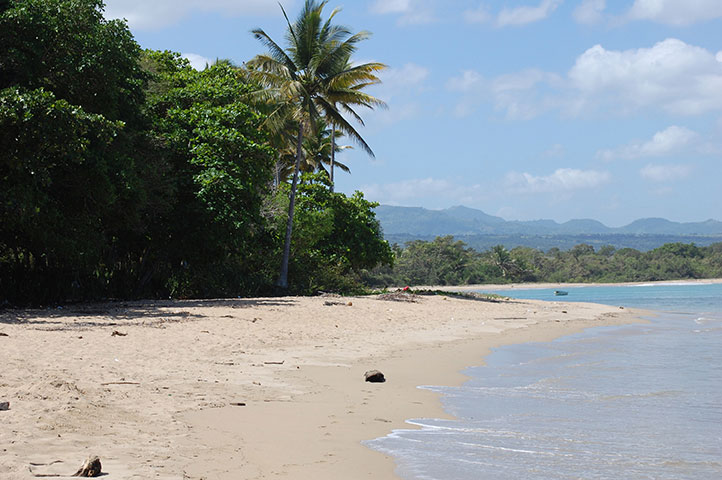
(155, 400)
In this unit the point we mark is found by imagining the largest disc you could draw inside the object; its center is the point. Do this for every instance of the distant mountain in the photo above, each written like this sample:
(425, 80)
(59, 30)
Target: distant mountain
(584, 226)
(460, 220)
(420, 221)
(661, 226)
(473, 215)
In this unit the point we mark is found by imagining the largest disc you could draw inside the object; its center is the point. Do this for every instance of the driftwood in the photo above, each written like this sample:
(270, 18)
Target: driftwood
(120, 383)
(91, 468)
(116, 333)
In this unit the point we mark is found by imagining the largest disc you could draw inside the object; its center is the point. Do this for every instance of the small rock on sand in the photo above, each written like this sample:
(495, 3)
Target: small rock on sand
(374, 376)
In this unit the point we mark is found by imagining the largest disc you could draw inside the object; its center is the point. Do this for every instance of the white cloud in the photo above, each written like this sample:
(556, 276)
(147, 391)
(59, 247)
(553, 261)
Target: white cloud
(525, 15)
(198, 62)
(412, 12)
(474, 88)
(516, 94)
(380, 118)
(590, 11)
(523, 80)
(520, 95)
(469, 80)
(670, 140)
(672, 75)
(561, 181)
(416, 191)
(400, 88)
(557, 150)
(675, 12)
(408, 75)
(478, 15)
(155, 14)
(398, 82)
(664, 173)
(391, 6)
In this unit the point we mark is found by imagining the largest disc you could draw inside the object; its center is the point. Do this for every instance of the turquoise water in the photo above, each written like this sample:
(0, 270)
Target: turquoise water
(633, 402)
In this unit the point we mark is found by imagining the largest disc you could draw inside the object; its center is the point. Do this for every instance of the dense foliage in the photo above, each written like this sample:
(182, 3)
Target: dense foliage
(71, 93)
(445, 261)
(336, 237)
(126, 173)
(215, 175)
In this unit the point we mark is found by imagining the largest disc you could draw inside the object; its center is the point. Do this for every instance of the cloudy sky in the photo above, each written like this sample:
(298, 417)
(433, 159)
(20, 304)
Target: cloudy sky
(525, 109)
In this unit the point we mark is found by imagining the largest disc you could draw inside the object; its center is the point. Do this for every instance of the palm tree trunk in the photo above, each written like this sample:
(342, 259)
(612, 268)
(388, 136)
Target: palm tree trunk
(277, 174)
(333, 151)
(283, 276)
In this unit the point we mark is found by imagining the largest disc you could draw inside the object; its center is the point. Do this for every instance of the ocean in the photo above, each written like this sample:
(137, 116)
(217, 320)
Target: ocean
(641, 401)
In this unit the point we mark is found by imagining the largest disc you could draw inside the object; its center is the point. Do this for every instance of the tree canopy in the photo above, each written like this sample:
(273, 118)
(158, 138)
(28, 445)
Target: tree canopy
(127, 173)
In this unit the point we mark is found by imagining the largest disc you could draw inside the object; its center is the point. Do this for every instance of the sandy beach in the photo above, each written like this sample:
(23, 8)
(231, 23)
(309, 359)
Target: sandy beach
(244, 388)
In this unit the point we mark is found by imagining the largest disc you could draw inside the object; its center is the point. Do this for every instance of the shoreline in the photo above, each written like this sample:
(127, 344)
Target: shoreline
(157, 399)
(545, 285)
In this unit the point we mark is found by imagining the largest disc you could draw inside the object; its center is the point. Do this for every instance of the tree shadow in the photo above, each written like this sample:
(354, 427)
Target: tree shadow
(127, 313)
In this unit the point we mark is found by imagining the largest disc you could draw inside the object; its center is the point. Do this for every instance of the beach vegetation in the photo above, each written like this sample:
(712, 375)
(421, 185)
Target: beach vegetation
(446, 261)
(128, 174)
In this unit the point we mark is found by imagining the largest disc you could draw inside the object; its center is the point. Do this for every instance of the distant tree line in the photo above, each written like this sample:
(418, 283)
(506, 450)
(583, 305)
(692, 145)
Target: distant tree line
(641, 242)
(128, 174)
(446, 261)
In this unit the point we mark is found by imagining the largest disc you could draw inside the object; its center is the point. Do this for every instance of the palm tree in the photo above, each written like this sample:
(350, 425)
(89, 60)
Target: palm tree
(308, 80)
(502, 259)
(283, 141)
(319, 147)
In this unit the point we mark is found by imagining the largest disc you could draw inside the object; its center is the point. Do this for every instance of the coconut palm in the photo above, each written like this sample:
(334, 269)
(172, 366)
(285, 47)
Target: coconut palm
(306, 81)
(283, 142)
(319, 147)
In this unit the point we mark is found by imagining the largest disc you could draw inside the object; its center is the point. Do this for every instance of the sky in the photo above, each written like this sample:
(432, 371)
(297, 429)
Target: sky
(525, 109)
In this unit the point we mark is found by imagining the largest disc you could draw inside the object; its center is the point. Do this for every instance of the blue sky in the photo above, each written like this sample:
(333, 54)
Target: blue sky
(525, 109)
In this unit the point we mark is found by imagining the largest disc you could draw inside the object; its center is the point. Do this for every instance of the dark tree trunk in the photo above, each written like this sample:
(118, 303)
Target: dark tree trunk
(333, 152)
(282, 282)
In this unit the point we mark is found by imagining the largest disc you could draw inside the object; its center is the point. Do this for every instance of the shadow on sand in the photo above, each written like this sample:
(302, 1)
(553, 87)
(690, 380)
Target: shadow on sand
(123, 313)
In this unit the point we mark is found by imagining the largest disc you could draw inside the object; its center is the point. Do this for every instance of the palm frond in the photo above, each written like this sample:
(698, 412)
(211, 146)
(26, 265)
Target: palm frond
(276, 52)
(332, 113)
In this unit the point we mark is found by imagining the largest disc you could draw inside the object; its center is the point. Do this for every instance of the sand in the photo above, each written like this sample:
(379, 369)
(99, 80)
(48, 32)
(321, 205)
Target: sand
(246, 388)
